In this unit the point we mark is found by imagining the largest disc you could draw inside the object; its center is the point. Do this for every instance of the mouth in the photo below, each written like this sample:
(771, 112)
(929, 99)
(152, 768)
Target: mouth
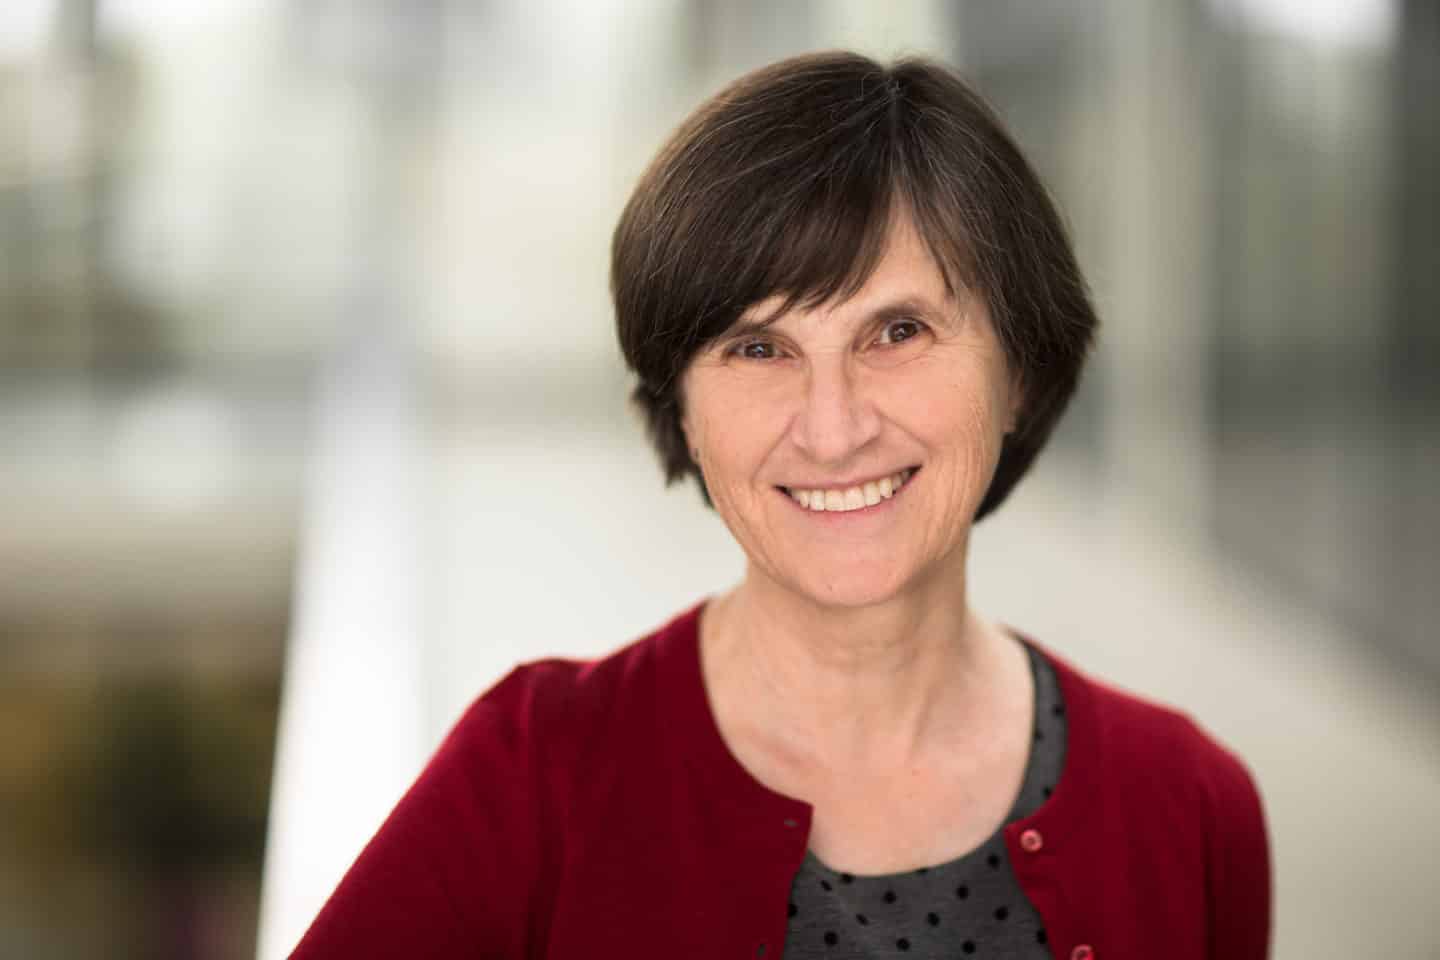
(849, 499)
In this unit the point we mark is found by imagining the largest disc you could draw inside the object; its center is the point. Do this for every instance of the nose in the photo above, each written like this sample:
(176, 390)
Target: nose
(836, 417)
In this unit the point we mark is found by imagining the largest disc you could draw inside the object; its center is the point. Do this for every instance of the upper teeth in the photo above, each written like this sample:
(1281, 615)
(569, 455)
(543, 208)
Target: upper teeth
(852, 498)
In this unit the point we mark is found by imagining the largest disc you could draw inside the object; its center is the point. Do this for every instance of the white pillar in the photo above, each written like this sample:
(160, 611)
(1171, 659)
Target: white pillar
(351, 735)
(1153, 290)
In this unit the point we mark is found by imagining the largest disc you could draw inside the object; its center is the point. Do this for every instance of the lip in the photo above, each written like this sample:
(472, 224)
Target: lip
(839, 516)
(847, 484)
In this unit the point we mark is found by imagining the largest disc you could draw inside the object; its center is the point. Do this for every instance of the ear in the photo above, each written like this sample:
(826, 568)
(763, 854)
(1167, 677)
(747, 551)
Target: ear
(684, 421)
(687, 427)
(689, 435)
(1017, 404)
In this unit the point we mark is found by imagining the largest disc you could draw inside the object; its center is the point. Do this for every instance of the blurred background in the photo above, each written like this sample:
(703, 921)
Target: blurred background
(312, 421)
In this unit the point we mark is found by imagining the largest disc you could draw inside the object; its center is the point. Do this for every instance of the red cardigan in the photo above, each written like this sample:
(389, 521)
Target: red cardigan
(591, 809)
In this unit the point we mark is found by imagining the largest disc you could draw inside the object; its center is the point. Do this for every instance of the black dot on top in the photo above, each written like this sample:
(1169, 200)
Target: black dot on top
(902, 944)
(993, 860)
(1040, 936)
(933, 919)
(861, 919)
(1001, 913)
(1058, 709)
(794, 909)
(1048, 791)
(830, 938)
(847, 878)
(889, 896)
(826, 885)
(962, 891)
(968, 946)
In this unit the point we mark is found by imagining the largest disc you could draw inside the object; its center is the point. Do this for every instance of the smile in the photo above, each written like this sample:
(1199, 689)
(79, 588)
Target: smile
(846, 499)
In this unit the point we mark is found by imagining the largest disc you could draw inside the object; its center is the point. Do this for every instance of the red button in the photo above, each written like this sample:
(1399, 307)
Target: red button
(1030, 841)
(1082, 952)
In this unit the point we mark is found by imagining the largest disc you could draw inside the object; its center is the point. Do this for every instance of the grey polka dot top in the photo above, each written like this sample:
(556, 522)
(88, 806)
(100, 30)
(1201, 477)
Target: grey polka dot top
(969, 907)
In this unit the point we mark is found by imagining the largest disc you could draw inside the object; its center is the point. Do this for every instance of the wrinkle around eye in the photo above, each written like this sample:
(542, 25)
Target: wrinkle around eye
(921, 328)
(742, 350)
(735, 350)
(914, 346)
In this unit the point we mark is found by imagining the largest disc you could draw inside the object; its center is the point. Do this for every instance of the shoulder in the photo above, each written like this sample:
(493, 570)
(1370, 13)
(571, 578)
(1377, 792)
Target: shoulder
(1136, 739)
(1185, 803)
(469, 855)
(556, 702)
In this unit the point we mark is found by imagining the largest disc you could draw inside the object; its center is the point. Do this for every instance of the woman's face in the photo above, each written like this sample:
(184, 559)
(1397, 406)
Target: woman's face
(836, 406)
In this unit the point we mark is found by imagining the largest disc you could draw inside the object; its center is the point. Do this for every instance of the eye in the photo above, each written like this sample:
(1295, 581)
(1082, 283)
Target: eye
(898, 331)
(753, 350)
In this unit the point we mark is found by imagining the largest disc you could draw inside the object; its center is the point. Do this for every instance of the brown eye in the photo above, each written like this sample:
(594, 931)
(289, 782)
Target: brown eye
(898, 331)
(755, 350)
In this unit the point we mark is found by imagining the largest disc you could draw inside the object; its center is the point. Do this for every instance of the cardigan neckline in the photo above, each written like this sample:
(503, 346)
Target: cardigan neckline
(678, 644)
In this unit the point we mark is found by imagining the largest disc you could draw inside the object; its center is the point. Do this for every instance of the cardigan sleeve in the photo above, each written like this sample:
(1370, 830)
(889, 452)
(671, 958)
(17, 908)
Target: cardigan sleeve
(454, 869)
(1238, 854)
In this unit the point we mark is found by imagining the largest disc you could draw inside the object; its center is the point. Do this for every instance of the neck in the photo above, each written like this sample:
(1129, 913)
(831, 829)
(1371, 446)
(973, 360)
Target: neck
(849, 686)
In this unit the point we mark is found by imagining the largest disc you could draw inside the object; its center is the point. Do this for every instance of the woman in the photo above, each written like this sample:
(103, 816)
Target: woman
(855, 319)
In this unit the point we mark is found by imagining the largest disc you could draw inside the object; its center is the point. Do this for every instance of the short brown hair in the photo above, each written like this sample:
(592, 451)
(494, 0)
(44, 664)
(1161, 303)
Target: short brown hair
(784, 183)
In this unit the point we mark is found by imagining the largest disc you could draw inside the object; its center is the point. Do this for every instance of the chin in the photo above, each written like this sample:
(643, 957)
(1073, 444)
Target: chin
(850, 588)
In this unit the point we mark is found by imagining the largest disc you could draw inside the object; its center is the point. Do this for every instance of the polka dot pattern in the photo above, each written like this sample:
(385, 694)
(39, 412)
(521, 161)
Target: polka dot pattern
(970, 906)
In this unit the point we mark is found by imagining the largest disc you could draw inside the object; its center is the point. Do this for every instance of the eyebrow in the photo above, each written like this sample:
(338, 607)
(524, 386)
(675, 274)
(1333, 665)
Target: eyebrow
(901, 309)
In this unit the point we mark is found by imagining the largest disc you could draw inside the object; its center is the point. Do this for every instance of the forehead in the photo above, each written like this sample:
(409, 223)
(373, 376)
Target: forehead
(906, 270)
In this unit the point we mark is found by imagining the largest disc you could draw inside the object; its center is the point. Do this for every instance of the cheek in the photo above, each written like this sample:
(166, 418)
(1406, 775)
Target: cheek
(960, 404)
(730, 436)
(732, 414)
(962, 418)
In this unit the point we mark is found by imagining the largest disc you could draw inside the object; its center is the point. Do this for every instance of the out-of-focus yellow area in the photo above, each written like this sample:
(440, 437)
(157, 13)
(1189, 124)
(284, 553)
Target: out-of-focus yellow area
(312, 420)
